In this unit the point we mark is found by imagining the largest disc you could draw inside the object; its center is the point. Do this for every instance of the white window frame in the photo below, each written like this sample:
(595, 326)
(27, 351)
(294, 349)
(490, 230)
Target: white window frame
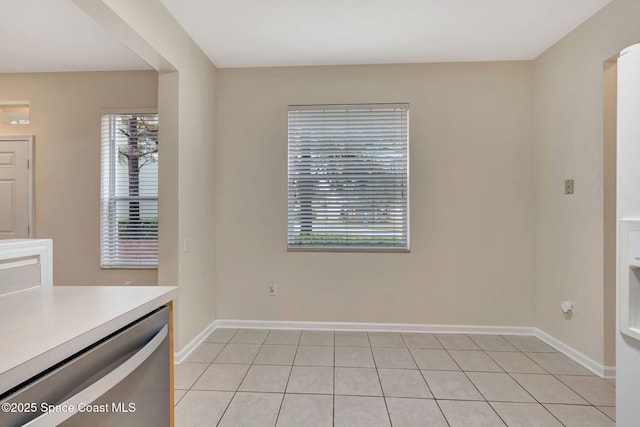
(345, 237)
(107, 197)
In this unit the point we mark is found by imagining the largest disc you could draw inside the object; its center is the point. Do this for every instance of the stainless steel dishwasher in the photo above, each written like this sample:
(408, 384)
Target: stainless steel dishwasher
(122, 380)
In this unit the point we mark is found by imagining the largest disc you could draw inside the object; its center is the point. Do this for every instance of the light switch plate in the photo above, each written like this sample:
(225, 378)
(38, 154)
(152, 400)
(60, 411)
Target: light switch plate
(568, 186)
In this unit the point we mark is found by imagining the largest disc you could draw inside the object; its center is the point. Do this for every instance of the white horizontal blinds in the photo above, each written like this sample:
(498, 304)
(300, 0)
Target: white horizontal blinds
(129, 194)
(348, 185)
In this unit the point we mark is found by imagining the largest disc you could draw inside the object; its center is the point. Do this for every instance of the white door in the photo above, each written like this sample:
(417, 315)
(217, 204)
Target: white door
(16, 187)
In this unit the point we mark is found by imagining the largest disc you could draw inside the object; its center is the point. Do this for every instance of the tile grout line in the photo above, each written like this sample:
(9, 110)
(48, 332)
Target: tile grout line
(375, 364)
(241, 381)
(284, 392)
(469, 379)
(511, 376)
(425, 380)
(577, 392)
(444, 417)
(208, 365)
(397, 397)
(524, 388)
(334, 378)
(605, 413)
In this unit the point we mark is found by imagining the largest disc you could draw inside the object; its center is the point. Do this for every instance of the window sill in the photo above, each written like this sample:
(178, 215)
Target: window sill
(128, 267)
(362, 250)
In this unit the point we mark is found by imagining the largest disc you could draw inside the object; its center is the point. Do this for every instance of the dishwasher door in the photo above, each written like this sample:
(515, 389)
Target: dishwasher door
(120, 381)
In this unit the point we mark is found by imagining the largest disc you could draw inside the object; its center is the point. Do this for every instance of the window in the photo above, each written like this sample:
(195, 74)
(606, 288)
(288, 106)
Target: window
(129, 191)
(348, 177)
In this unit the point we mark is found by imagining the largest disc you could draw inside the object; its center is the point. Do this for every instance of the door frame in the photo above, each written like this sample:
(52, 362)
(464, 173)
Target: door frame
(30, 141)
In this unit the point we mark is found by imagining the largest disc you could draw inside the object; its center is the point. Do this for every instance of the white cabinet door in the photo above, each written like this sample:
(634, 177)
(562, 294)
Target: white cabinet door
(16, 187)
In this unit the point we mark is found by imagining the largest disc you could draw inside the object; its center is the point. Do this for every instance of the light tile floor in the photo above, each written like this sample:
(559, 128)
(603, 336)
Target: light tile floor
(255, 378)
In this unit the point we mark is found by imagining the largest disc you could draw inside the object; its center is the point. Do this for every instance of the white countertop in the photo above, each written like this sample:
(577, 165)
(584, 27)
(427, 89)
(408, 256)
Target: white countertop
(42, 326)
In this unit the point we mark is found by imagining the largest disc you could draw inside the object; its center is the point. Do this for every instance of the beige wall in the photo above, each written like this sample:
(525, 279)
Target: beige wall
(568, 143)
(65, 119)
(488, 160)
(187, 110)
(471, 198)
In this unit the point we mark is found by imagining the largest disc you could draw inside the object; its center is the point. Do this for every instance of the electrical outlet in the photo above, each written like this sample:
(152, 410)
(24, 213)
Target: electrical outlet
(568, 307)
(186, 246)
(273, 289)
(568, 186)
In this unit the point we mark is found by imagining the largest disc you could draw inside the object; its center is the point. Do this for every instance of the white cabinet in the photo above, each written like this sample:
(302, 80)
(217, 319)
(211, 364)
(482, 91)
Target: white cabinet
(25, 263)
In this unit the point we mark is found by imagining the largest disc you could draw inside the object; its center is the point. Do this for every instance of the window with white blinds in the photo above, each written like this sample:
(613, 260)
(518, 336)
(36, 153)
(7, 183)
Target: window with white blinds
(129, 191)
(348, 177)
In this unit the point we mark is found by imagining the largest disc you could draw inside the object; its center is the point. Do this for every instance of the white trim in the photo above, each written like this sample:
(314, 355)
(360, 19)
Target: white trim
(333, 107)
(374, 327)
(577, 356)
(16, 264)
(42, 248)
(150, 110)
(180, 356)
(590, 364)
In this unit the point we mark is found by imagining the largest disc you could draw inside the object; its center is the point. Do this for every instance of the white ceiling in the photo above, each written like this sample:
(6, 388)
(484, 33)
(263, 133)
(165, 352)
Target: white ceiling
(55, 35)
(258, 33)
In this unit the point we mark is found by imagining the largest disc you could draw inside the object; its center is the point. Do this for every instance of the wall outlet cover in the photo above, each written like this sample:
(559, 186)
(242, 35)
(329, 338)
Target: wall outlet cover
(568, 186)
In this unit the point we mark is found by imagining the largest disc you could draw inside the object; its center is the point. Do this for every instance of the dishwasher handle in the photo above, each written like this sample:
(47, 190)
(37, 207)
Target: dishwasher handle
(103, 385)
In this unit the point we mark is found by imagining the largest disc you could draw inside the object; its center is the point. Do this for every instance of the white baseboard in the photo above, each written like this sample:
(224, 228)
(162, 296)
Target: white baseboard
(374, 327)
(180, 356)
(577, 356)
